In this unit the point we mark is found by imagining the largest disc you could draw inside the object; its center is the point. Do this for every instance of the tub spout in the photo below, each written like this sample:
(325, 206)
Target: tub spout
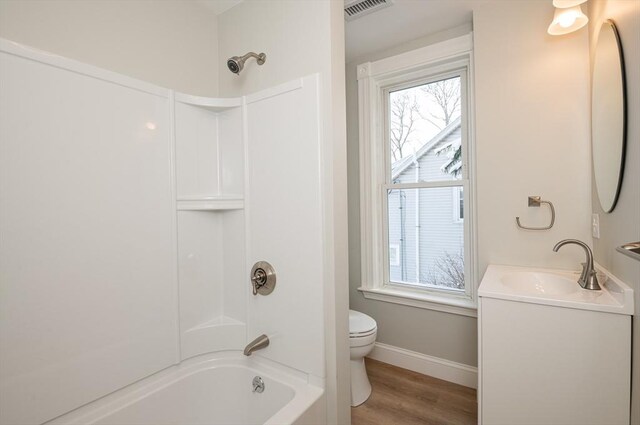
(257, 344)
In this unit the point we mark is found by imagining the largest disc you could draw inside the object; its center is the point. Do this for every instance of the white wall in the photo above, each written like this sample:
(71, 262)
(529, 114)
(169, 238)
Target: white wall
(293, 34)
(302, 38)
(623, 224)
(532, 134)
(169, 43)
(87, 259)
(531, 138)
(287, 230)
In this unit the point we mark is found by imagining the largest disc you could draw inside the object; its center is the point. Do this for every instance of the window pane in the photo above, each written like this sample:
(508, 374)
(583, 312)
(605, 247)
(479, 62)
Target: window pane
(425, 133)
(426, 241)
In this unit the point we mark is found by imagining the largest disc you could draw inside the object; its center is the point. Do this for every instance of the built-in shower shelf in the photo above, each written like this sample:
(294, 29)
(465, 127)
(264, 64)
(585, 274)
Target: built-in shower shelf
(213, 203)
(210, 103)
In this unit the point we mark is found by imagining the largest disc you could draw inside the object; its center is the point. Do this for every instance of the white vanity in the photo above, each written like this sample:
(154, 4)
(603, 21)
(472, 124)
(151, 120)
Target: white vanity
(551, 352)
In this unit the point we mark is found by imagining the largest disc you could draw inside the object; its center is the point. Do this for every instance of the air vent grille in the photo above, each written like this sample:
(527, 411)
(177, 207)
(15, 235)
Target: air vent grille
(354, 9)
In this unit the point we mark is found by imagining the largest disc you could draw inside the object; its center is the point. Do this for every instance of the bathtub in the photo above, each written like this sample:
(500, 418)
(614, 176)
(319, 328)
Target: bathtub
(215, 389)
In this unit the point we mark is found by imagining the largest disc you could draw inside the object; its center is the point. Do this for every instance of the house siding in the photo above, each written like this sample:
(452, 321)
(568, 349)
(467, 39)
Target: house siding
(437, 230)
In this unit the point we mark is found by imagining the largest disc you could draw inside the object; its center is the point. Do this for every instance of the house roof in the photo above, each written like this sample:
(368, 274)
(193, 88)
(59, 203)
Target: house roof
(399, 166)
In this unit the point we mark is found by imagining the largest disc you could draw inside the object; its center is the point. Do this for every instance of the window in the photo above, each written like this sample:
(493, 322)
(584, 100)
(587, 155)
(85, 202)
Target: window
(416, 176)
(458, 205)
(394, 255)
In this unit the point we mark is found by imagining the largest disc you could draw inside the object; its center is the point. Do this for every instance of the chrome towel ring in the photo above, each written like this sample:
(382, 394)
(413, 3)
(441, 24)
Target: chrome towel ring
(535, 201)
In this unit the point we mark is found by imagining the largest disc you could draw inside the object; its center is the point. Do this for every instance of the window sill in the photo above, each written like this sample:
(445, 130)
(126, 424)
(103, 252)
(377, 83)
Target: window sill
(429, 301)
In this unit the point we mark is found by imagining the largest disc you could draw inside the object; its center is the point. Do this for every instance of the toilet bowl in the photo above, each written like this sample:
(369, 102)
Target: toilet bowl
(362, 336)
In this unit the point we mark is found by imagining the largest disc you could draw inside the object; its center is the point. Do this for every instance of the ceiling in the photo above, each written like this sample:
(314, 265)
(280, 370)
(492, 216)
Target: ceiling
(404, 21)
(219, 6)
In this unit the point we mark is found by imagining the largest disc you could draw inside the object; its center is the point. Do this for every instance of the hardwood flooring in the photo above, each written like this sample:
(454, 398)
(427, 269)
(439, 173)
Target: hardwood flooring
(403, 397)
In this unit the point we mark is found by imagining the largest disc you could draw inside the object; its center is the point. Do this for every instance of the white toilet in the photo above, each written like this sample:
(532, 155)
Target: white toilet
(362, 335)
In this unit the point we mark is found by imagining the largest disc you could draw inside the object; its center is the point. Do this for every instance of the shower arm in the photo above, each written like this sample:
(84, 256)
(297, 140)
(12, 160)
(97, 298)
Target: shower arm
(259, 57)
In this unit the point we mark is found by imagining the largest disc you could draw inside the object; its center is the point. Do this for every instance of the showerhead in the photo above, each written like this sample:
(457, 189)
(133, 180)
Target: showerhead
(236, 63)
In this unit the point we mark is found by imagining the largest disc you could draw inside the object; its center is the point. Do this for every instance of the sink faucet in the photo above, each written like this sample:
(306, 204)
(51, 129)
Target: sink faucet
(257, 344)
(588, 278)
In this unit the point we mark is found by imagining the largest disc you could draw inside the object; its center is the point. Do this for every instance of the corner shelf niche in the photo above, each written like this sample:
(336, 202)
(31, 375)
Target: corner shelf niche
(209, 152)
(217, 203)
(209, 160)
(210, 103)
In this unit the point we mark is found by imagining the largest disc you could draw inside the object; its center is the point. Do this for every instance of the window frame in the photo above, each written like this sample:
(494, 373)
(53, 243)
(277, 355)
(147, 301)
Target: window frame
(375, 81)
(455, 206)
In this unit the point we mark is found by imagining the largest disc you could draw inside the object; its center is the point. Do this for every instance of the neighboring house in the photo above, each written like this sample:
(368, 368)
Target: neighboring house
(426, 225)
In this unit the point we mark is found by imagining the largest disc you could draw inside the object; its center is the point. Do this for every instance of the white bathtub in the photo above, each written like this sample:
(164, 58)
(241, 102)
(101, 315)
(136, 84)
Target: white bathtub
(215, 389)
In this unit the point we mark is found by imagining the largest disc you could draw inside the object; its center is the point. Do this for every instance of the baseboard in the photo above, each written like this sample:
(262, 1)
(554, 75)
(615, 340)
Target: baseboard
(447, 370)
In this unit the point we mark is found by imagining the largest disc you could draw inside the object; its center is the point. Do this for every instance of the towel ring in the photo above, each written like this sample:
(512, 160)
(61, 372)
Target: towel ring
(535, 201)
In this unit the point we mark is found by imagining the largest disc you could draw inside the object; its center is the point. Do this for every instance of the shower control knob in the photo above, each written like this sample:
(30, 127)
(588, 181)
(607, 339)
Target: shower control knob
(260, 277)
(263, 278)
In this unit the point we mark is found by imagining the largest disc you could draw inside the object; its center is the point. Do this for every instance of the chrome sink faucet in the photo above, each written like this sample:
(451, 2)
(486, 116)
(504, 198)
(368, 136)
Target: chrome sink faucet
(257, 344)
(588, 278)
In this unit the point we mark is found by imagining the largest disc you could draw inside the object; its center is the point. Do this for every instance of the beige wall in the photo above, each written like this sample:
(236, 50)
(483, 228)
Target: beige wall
(302, 38)
(623, 224)
(531, 138)
(169, 43)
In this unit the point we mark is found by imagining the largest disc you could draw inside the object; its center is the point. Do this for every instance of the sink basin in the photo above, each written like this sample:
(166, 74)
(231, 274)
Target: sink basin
(540, 283)
(631, 249)
(556, 288)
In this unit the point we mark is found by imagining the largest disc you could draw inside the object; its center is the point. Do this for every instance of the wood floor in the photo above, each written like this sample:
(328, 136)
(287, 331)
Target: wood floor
(403, 397)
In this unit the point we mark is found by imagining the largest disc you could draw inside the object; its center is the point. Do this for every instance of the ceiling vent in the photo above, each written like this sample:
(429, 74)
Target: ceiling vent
(354, 9)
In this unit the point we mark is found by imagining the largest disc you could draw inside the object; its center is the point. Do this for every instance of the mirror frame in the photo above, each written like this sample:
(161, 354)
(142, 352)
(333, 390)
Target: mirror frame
(624, 119)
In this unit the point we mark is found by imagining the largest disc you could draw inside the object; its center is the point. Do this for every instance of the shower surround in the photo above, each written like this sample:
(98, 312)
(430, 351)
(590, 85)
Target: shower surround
(131, 216)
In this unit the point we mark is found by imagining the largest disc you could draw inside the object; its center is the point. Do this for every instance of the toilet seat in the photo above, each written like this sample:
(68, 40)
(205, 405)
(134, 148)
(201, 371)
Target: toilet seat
(362, 329)
(362, 341)
(360, 324)
(362, 334)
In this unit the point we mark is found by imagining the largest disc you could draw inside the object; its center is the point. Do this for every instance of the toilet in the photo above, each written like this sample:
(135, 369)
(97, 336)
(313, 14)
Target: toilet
(362, 336)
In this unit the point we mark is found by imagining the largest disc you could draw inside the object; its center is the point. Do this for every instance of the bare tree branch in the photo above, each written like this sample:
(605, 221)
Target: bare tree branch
(447, 271)
(446, 94)
(405, 110)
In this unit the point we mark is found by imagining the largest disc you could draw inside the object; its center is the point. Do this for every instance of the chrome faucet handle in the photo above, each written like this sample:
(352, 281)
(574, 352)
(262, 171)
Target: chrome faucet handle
(263, 278)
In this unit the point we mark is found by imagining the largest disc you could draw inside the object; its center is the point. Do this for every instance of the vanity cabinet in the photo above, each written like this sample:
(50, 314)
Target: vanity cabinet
(545, 362)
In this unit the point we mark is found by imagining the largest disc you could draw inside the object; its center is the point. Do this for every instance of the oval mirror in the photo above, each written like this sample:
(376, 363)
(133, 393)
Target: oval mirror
(608, 116)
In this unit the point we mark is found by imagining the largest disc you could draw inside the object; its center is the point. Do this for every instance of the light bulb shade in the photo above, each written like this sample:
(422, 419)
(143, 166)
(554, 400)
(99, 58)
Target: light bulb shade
(563, 4)
(567, 20)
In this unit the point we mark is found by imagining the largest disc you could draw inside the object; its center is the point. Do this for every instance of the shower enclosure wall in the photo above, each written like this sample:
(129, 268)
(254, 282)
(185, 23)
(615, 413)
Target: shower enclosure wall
(130, 218)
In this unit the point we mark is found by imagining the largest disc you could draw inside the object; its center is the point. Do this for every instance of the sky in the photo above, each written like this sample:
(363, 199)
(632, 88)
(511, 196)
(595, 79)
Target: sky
(423, 129)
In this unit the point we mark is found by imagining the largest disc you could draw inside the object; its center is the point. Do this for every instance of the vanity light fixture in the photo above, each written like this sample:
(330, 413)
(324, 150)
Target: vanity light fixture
(568, 17)
(563, 4)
